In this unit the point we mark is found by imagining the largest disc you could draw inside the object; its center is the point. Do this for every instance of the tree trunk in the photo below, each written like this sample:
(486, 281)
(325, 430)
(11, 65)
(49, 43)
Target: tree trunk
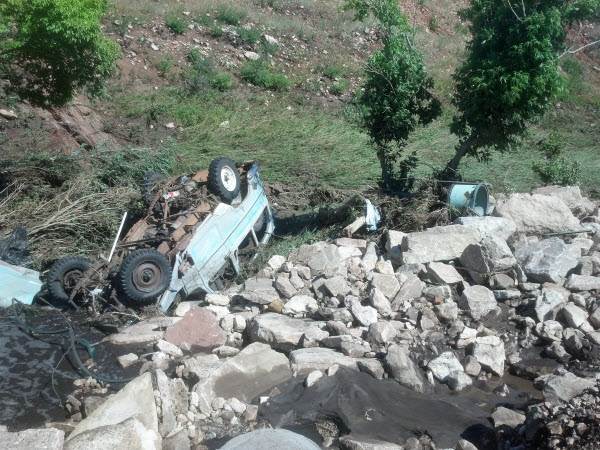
(451, 170)
(386, 170)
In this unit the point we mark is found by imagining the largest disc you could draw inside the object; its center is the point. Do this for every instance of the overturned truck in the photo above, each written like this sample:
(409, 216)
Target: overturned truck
(196, 232)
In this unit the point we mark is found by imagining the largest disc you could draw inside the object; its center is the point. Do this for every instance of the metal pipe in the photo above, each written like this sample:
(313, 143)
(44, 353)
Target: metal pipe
(112, 251)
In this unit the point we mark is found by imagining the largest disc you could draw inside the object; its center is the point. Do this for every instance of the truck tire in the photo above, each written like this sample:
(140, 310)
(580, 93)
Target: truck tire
(224, 179)
(144, 275)
(64, 275)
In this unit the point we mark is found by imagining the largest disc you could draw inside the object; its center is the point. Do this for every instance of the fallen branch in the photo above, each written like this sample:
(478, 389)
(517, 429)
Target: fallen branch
(583, 47)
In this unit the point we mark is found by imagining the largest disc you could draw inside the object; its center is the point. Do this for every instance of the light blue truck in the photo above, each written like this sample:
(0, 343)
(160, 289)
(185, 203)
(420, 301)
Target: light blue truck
(239, 224)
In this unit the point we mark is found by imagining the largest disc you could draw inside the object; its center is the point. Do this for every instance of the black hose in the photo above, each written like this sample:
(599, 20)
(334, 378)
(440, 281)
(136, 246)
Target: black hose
(72, 349)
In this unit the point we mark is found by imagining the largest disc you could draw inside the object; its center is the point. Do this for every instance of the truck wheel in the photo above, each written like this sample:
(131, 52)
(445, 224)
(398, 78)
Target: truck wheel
(144, 275)
(224, 179)
(64, 275)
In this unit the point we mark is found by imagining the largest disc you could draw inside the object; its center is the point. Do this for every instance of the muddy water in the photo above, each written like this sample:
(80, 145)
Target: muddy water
(35, 374)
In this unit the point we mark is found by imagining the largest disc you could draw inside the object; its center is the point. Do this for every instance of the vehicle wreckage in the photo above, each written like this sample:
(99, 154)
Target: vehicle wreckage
(196, 232)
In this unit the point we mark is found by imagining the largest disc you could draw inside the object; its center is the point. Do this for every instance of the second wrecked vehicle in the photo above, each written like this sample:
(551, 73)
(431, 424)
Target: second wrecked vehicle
(195, 232)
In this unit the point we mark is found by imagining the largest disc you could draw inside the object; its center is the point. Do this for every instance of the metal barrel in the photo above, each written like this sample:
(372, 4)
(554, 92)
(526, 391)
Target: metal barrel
(467, 197)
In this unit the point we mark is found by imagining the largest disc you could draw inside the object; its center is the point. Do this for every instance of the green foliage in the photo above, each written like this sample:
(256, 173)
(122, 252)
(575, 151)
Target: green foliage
(129, 166)
(339, 86)
(333, 71)
(164, 65)
(510, 75)
(176, 24)
(215, 30)
(230, 15)
(397, 93)
(249, 36)
(53, 48)
(555, 168)
(203, 75)
(434, 24)
(259, 73)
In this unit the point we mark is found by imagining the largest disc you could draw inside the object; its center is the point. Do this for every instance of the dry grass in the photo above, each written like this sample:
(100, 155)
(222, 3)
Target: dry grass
(80, 218)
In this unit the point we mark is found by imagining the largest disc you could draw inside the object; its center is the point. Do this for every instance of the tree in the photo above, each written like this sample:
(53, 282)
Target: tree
(510, 74)
(52, 48)
(397, 93)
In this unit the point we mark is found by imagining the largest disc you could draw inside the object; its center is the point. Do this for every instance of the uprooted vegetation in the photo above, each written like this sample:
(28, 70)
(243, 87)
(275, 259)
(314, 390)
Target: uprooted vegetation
(68, 209)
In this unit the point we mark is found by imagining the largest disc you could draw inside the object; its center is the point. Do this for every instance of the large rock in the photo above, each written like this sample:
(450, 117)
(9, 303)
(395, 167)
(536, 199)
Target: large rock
(259, 290)
(337, 287)
(487, 257)
(299, 305)
(198, 330)
(350, 442)
(279, 331)
(252, 372)
(388, 285)
(412, 288)
(563, 387)
(393, 245)
(549, 302)
(403, 369)
(583, 283)
(573, 316)
(490, 226)
(270, 439)
(489, 352)
(536, 213)
(134, 400)
(440, 273)
(380, 302)
(381, 333)
(507, 417)
(173, 400)
(308, 359)
(443, 365)
(144, 332)
(478, 300)
(571, 196)
(321, 258)
(38, 439)
(365, 315)
(131, 434)
(548, 260)
(438, 244)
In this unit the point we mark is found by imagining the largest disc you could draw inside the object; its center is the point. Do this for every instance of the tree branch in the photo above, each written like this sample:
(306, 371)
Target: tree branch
(577, 50)
(513, 10)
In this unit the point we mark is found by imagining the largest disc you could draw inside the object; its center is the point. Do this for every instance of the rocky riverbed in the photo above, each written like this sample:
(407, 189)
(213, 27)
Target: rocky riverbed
(481, 334)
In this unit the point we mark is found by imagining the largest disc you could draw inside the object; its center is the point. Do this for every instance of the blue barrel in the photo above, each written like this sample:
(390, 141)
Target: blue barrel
(470, 198)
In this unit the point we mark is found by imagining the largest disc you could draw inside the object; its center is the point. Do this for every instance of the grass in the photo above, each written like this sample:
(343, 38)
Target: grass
(176, 24)
(297, 145)
(230, 14)
(260, 73)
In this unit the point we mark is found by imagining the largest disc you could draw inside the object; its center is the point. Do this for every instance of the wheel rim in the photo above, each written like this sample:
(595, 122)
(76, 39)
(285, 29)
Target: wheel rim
(147, 277)
(228, 178)
(70, 279)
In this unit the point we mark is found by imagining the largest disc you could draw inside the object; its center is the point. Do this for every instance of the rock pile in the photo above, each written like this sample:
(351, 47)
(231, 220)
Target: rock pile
(448, 308)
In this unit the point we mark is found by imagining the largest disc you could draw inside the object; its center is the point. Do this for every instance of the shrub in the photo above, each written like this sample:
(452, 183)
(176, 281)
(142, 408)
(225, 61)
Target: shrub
(164, 66)
(339, 87)
(215, 30)
(248, 35)
(333, 71)
(230, 15)
(176, 24)
(203, 75)
(259, 73)
(555, 168)
(56, 47)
